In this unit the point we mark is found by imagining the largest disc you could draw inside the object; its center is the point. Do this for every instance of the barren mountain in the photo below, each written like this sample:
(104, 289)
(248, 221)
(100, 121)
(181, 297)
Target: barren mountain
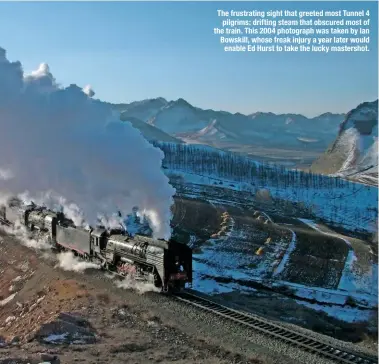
(217, 128)
(150, 132)
(354, 153)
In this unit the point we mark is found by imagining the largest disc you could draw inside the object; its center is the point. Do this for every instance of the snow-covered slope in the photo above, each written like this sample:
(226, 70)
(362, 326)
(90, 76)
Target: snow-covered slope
(178, 117)
(354, 153)
(336, 201)
(182, 120)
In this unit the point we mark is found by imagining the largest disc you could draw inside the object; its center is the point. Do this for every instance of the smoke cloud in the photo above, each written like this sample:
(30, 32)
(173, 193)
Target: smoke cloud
(67, 261)
(129, 282)
(63, 147)
(88, 91)
(138, 286)
(26, 238)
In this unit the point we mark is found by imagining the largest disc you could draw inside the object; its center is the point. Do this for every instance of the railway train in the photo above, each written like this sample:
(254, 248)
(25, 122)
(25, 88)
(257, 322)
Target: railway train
(167, 264)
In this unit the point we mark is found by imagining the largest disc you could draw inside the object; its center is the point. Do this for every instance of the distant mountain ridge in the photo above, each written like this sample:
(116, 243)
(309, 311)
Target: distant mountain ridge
(150, 132)
(191, 124)
(354, 153)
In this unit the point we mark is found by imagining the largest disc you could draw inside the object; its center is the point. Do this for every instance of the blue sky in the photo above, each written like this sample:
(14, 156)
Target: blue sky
(131, 51)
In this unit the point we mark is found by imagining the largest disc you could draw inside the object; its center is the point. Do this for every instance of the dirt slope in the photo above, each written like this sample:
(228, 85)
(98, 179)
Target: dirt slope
(48, 314)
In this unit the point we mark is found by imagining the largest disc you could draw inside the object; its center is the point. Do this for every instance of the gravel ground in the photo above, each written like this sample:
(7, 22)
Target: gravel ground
(359, 348)
(210, 330)
(149, 327)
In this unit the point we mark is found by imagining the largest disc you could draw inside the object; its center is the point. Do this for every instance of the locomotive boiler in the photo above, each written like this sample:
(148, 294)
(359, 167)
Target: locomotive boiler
(167, 264)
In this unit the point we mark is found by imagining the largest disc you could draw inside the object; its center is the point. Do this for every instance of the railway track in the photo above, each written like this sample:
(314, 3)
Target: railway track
(272, 329)
(277, 331)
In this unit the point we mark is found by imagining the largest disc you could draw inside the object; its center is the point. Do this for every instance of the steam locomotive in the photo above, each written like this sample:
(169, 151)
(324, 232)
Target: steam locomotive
(167, 264)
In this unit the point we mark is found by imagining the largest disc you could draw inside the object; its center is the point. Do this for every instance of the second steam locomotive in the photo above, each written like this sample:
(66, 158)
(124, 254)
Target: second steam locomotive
(168, 264)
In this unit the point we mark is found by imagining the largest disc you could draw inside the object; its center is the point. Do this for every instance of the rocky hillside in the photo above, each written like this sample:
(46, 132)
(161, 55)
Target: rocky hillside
(49, 314)
(354, 153)
(150, 132)
(217, 128)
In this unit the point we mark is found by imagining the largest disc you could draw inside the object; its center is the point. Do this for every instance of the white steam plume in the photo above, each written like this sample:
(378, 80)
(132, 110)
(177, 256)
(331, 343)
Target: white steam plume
(26, 238)
(5, 174)
(58, 142)
(88, 91)
(139, 286)
(129, 282)
(67, 261)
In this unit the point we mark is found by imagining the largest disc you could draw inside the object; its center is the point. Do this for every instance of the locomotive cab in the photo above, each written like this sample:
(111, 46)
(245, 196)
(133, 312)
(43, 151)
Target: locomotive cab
(178, 262)
(98, 240)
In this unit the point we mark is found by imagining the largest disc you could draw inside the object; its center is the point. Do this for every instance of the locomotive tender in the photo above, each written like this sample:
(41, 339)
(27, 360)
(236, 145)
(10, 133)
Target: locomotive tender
(167, 264)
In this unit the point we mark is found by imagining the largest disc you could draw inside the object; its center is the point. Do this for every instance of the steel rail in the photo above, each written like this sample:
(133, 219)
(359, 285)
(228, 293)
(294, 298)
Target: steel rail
(277, 331)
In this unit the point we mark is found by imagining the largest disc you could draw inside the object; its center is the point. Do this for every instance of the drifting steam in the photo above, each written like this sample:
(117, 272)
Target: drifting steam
(26, 238)
(67, 261)
(67, 149)
(88, 91)
(129, 282)
(138, 286)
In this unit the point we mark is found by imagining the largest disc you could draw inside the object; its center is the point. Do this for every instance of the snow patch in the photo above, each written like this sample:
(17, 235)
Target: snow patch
(56, 339)
(351, 205)
(347, 314)
(7, 300)
(284, 261)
